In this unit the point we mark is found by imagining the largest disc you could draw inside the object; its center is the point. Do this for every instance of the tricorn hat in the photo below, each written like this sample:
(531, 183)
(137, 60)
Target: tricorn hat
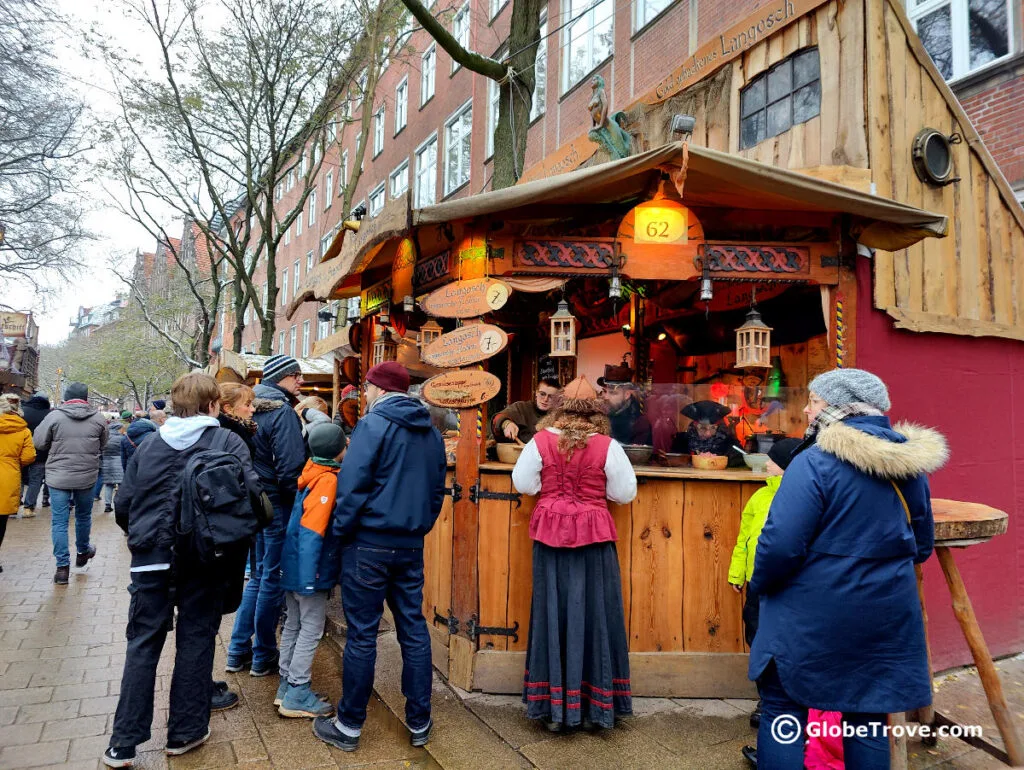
(705, 411)
(616, 374)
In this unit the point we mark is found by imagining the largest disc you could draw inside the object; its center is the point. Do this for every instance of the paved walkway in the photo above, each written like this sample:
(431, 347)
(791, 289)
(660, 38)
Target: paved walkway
(62, 650)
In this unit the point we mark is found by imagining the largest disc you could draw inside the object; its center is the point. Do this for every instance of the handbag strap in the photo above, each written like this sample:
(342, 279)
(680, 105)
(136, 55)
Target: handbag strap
(899, 492)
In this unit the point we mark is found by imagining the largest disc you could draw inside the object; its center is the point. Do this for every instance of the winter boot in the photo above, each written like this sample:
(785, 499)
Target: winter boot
(301, 701)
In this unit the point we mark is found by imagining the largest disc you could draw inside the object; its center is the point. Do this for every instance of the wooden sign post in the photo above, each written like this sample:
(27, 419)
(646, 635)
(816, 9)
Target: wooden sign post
(465, 345)
(467, 299)
(461, 389)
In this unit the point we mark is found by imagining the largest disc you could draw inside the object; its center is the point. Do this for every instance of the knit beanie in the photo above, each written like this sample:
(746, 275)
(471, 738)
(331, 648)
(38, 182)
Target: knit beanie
(389, 376)
(76, 391)
(126, 415)
(326, 440)
(159, 404)
(276, 368)
(849, 386)
(782, 450)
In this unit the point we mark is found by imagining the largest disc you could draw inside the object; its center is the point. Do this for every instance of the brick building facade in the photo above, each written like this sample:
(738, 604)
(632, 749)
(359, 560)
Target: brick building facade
(432, 122)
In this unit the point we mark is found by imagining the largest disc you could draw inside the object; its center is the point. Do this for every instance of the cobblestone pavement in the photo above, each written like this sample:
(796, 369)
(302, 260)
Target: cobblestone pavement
(61, 655)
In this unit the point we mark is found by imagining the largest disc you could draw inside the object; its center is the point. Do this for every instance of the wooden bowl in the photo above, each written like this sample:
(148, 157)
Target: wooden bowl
(509, 453)
(675, 460)
(638, 454)
(713, 463)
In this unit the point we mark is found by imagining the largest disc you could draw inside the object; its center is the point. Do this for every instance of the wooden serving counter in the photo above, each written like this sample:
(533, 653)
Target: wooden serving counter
(675, 542)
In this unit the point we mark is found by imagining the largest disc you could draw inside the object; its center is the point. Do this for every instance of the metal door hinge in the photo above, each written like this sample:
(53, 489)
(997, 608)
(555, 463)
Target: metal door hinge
(474, 629)
(476, 494)
(450, 620)
(455, 491)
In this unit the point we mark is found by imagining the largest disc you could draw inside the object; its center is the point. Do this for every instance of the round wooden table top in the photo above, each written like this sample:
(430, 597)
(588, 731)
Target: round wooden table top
(958, 523)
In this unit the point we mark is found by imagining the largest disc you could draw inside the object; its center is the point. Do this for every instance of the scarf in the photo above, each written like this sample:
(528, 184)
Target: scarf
(833, 414)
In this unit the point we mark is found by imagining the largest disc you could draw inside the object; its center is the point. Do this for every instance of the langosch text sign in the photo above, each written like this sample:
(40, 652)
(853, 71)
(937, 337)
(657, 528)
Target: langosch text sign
(461, 389)
(465, 345)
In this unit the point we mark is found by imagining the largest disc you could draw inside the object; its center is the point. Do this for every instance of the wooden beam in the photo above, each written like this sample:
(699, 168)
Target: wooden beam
(944, 324)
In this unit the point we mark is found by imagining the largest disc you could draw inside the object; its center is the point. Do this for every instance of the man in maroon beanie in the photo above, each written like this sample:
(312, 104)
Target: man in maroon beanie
(390, 491)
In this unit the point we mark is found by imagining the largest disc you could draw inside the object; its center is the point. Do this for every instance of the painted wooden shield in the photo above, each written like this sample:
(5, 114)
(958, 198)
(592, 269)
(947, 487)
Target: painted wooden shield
(467, 299)
(461, 389)
(465, 345)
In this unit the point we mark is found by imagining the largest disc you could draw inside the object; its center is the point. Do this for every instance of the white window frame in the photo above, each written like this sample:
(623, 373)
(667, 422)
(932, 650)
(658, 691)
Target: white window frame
(401, 170)
(423, 170)
(343, 177)
(297, 277)
(428, 74)
(585, 24)
(496, 7)
(380, 191)
(378, 130)
(539, 106)
(323, 328)
(332, 130)
(325, 243)
(328, 189)
(305, 338)
(460, 31)
(280, 342)
(279, 191)
(284, 288)
(401, 104)
(312, 208)
(309, 261)
(288, 236)
(451, 185)
(292, 340)
(960, 32)
(361, 87)
(298, 221)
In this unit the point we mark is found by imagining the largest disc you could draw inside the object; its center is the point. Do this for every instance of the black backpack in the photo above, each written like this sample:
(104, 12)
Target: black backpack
(218, 506)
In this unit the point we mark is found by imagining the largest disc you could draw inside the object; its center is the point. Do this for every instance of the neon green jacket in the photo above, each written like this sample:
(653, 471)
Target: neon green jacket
(754, 516)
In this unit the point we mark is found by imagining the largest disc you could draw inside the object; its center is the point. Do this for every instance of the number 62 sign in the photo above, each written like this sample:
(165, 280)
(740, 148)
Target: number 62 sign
(656, 222)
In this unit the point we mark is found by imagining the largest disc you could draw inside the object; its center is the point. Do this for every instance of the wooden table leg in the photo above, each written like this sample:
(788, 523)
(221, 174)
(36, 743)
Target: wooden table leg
(926, 715)
(982, 658)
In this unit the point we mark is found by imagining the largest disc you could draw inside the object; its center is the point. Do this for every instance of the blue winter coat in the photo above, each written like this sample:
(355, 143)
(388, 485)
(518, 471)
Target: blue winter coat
(138, 431)
(110, 458)
(311, 557)
(391, 485)
(840, 613)
(279, 452)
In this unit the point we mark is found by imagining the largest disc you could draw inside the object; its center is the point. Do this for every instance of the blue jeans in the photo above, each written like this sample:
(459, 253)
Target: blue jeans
(870, 752)
(97, 487)
(33, 480)
(61, 512)
(369, 577)
(260, 609)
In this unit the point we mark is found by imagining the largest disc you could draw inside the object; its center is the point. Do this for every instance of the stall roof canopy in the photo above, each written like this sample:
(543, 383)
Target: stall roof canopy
(713, 179)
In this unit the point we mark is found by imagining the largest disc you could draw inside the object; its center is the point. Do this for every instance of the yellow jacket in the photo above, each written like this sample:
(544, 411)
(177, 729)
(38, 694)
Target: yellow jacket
(16, 451)
(755, 514)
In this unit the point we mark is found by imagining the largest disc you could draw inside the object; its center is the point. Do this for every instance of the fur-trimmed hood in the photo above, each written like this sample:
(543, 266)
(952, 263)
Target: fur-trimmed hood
(269, 397)
(903, 451)
(267, 404)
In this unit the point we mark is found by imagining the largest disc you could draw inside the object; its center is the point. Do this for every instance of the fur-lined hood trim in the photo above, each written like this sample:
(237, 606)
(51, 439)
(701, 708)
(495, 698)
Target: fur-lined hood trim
(267, 404)
(924, 451)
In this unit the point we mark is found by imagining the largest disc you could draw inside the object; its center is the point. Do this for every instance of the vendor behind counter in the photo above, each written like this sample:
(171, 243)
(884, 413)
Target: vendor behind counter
(519, 420)
(629, 424)
(708, 433)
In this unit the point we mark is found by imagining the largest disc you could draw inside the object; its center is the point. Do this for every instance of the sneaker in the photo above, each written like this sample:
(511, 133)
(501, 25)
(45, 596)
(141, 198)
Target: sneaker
(46, 503)
(239, 663)
(755, 716)
(264, 669)
(326, 729)
(119, 756)
(223, 699)
(108, 509)
(83, 558)
(282, 690)
(28, 513)
(175, 748)
(421, 736)
(301, 701)
(750, 754)
(60, 577)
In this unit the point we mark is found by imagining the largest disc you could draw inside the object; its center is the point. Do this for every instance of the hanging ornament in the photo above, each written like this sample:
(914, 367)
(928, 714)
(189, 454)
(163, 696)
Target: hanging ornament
(840, 333)
(563, 331)
(429, 332)
(754, 341)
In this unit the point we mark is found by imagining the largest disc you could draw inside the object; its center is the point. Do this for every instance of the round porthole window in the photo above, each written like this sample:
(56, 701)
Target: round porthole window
(933, 157)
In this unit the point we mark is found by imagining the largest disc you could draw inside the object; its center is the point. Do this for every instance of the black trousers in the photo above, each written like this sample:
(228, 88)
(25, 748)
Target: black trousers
(751, 613)
(3, 528)
(150, 616)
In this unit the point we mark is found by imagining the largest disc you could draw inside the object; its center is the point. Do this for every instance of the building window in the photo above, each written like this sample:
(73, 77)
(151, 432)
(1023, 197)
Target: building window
(493, 108)
(280, 343)
(328, 189)
(406, 30)
(644, 11)
(290, 183)
(496, 6)
(288, 236)
(540, 70)
(291, 342)
(332, 130)
(360, 88)
(284, 287)
(312, 208)
(587, 41)
(378, 131)
(343, 174)
(425, 192)
(279, 191)
(377, 200)
(325, 243)
(298, 223)
(962, 35)
(323, 328)
(460, 31)
(305, 339)
(309, 261)
(295, 283)
(458, 135)
(402, 104)
(428, 67)
(787, 94)
(400, 179)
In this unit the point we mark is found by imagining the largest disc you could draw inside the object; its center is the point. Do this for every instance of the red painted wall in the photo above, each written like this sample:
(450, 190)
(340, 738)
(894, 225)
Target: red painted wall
(973, 391)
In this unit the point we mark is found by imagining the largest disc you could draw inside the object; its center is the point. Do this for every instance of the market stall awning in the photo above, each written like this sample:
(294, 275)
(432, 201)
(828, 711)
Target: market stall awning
(713, 179)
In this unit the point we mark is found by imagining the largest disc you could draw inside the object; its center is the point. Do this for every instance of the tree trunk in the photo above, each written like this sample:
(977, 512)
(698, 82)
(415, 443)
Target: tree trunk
(516, 94)
(239, 297)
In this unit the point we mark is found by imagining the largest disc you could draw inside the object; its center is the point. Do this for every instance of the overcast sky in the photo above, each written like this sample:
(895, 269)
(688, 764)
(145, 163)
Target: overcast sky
(115, 233)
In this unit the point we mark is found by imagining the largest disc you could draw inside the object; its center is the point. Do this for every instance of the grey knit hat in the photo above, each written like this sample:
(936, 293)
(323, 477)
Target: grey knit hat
(326, 440)
(76, 391)
(847, 386)
(276, 368)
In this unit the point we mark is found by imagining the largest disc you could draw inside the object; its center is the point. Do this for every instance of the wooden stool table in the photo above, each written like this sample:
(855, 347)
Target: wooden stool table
(960, 525)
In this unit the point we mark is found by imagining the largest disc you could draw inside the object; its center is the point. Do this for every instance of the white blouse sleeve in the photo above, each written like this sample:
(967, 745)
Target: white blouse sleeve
(620, 485)
(526, 473)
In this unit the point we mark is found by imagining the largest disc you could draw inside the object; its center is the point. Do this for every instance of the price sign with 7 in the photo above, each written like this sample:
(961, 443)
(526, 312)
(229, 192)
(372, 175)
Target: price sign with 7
(497, 295)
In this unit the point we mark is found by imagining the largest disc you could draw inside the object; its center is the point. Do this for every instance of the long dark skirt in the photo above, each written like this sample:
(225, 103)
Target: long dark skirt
(577, 663)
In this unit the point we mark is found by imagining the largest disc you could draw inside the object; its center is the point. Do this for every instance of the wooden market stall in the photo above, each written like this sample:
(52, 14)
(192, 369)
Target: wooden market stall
(658, 256)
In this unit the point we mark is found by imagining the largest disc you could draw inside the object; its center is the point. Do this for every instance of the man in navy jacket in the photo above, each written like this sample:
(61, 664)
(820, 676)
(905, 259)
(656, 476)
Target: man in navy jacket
(279, 454)
(390, 492)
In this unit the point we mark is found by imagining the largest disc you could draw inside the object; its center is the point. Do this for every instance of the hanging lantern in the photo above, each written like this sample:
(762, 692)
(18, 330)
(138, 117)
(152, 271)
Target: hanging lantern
(563, 331)
(384, 316)
(384, 348)
(408, 303)
(754, 343)
(429, 332)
